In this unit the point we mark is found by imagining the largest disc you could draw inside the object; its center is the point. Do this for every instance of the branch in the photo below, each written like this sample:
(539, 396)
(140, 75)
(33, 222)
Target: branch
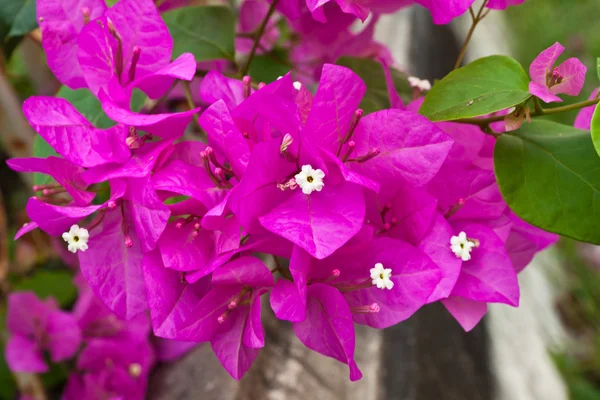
(537, 113)
(190, 103)
(476, 20)
(257, 37)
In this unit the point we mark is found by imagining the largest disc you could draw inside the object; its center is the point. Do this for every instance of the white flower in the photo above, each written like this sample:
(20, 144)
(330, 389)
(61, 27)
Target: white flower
(382, 277)
(422, 85)
(77, 238)
(461, 246)
(310, 179)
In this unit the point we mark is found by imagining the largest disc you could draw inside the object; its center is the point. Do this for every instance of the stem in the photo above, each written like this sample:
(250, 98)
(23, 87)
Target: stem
(190, 103)
(259, 34)
(538, 107)
(476, 20)
(536, 113)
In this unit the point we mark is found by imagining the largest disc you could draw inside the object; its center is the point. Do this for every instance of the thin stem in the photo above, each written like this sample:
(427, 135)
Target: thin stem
(536, 113)
(476, 20)
(190, 103)
(259, 34)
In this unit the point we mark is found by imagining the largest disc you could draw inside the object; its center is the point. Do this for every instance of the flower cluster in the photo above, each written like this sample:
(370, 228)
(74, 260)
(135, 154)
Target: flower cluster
(362, 218)
(113, 357)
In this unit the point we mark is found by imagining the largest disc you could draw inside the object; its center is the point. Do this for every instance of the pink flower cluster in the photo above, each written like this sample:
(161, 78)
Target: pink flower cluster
(113, 357)
(360, 218)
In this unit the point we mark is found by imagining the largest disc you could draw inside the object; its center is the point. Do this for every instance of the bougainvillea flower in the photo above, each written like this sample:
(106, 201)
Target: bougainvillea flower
(130, 46)
(224, 309)
(360, 9)
(215, 86)
(112, 369)
(444, 11)
(548, 80)
(344, 282)
(487, 277)
(73, 136)
(97, 321)
(67, 175)
(61, 22)
(326, 43)
(36, 326)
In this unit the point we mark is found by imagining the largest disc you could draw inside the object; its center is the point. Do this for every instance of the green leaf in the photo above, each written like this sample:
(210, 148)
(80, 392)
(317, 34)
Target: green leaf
(377, 97)
(25, 20)
(50, 283)
(549, 174)
(265, 68)
(208, 32)
(485, 86)
(595, 129)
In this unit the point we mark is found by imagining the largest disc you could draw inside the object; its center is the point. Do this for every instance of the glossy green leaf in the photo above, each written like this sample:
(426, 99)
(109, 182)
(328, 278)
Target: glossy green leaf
(208, 32)
(50, 283)
(377, 98)
(549, 174)
(485, 86)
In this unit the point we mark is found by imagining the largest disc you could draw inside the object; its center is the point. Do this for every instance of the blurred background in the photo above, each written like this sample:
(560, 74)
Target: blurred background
(561, 305)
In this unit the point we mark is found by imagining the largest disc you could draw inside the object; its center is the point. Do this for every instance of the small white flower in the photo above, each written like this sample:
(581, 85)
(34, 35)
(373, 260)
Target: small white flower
(422, 85)
(77, 238)
(310, 179)
(382, 277)
(297, 85)
(461, 246)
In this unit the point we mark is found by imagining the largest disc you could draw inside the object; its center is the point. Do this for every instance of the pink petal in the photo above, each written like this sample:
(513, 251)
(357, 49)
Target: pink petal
(61, 21)
(215, 87)
(64, 336)
(148, 215)
(167, 126)
(171, 299)
(254, 334)
(114, 271)
(328, 327)
(225, 137)
(489, 275)
(573, 72)
(338, 97)
(158, 83)
(414, 275)
(228, 345)
(23, 355)
(286, 302)
(544, 63)
(584, 118)
(467, 312)
(183, 252)
(72, 136)
(320, 222)
(410, 148)
(244, 271)
(443, 11)
(436, 244)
